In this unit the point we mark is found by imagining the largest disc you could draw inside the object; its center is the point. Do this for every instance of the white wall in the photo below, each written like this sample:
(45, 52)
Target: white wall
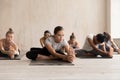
(30, 18)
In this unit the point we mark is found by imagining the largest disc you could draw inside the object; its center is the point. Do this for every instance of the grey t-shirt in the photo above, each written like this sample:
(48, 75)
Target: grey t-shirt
(56, 46)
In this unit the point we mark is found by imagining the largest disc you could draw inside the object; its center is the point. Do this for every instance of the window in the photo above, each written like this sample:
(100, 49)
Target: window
(115, 18)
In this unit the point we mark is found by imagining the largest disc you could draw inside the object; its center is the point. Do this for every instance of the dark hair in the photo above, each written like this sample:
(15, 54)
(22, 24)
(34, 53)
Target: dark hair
(10, 31)
(47, 31)
(100, 37)
(58, 28)
(107, 36)
(72, 36)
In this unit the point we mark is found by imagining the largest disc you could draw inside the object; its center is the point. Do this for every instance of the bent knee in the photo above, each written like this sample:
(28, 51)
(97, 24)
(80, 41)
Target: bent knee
(31, 55)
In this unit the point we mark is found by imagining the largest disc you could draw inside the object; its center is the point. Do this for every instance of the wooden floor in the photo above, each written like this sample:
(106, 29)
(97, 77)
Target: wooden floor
(84, 69)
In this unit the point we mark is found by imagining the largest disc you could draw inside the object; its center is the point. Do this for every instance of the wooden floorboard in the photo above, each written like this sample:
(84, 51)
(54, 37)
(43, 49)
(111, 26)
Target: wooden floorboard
(84, 69)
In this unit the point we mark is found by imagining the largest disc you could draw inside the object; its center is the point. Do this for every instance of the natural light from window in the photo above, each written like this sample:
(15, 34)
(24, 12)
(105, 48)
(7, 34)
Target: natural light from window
(115, 18)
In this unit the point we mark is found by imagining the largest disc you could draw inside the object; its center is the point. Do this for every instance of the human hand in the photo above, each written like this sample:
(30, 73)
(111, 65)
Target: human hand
(71, 55)
(11, 48)
(70, 58)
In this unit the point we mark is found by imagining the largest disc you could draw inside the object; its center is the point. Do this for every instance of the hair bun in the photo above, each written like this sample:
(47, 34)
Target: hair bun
(72, 34)
(10, 29)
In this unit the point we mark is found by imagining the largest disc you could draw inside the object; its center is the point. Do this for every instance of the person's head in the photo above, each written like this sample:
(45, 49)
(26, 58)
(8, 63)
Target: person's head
(72, 37)
(100, 38)
(47, 34)
(107, 36)
(9, 35)
(58, 33)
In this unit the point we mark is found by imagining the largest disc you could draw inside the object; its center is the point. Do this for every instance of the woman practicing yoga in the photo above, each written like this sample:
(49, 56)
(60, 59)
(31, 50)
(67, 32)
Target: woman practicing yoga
(73, 43)
(53, 48)
(8, 47)
(91, 47)
(46, 35)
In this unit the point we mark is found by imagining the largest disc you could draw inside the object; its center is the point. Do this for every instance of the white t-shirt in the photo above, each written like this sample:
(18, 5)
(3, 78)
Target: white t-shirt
(86, 45)
(56, 46)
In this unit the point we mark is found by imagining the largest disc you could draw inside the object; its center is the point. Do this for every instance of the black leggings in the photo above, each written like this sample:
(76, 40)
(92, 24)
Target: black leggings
(81, 52)
(33, 53)
(3, 55)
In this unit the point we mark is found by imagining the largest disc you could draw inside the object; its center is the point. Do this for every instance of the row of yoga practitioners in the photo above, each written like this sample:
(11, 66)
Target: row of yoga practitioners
(56, 47)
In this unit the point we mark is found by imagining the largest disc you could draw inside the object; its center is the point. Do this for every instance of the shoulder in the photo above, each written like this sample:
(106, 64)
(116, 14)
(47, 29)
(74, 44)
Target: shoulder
(64, 42)
(1, 40)
(49, 40)
(90, 35)
(42, 38)
(69, 41)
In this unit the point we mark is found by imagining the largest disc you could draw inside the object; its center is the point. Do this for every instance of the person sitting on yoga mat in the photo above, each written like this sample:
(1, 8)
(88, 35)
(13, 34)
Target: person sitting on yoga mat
(110, 42)
(91, 49)
(8, 47)
(73, 43)
(53, 48)
(46, 35)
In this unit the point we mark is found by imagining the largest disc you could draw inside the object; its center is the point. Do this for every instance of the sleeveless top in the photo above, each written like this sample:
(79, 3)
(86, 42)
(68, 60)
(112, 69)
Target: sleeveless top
(6, 45)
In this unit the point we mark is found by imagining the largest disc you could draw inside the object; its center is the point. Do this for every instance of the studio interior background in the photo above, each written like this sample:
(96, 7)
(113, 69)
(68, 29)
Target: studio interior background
(30, 18)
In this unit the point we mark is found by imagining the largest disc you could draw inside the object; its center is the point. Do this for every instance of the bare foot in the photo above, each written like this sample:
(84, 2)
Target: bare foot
(11, 54)
(118, 51)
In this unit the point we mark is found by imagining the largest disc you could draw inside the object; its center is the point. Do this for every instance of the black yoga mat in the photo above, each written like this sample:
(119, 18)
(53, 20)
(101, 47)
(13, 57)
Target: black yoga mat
(50, 62)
